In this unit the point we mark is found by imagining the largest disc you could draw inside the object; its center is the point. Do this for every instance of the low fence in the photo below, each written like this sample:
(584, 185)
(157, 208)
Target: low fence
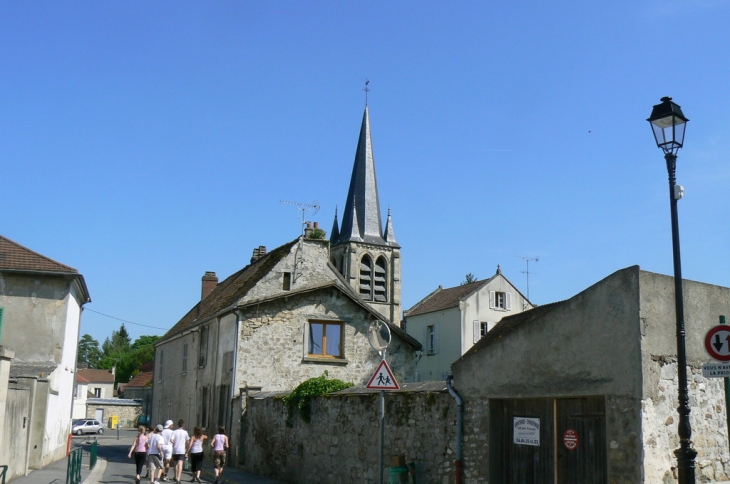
(73, 469)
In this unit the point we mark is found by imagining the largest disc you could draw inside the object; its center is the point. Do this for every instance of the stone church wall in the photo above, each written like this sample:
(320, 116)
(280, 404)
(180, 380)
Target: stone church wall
(341, 443)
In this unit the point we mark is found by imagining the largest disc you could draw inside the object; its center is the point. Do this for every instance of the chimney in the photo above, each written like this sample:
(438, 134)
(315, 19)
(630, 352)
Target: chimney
(210, 280)
(308, 231)
(258, 253)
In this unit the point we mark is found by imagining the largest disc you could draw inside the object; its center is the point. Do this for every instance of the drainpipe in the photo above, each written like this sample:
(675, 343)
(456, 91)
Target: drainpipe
(459, 433)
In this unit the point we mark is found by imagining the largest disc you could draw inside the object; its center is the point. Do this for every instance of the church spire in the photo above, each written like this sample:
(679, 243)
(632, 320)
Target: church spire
(389, 234)
(361, 220)
(335, 229)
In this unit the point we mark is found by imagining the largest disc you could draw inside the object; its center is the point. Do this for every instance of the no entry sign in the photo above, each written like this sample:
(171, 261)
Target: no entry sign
(570, 439)
(717, 342)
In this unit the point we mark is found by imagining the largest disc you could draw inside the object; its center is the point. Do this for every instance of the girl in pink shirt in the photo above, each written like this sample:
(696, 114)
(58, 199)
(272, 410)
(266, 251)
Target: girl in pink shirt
(139, 450)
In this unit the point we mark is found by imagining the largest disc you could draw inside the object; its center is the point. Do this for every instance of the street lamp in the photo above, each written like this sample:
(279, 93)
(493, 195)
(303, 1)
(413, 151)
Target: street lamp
(668, 124)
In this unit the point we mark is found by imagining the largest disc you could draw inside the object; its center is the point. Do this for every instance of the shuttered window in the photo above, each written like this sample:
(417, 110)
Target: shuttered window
(381, 294)
(500, 300)
(366, 278)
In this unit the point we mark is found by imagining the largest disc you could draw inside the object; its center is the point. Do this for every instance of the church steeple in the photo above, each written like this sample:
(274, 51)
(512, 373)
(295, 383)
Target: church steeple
(367, 257)
(361, 221)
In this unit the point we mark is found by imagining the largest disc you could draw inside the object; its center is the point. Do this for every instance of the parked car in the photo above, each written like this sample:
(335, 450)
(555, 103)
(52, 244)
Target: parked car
(86, 426)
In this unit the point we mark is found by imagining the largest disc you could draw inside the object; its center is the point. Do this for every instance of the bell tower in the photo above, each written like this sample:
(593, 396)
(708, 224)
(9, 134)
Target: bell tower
(366, 255)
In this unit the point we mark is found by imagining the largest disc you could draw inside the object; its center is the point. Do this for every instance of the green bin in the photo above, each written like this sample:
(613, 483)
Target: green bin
(398, 475)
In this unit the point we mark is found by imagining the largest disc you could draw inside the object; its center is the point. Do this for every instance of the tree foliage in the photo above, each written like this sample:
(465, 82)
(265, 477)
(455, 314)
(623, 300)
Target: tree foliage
(301, 397)
(119, 351)
(89, 352)
(468, 279)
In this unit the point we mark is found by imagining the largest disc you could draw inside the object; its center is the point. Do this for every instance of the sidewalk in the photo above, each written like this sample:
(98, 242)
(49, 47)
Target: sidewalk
(56, 474)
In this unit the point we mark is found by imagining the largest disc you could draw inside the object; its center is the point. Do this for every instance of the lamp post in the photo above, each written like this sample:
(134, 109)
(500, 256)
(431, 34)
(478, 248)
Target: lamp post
(668, 124)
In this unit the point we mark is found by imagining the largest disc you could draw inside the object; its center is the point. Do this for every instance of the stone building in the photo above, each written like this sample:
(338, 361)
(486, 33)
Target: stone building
(585, 390)
(40, 316)
(288, 316)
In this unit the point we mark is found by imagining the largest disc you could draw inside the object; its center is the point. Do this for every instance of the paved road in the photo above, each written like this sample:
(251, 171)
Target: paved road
(114, 467)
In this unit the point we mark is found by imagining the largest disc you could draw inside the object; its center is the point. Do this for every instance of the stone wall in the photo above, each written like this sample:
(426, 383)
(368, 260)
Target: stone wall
(707, 418)
(127, 414)
(341, 443)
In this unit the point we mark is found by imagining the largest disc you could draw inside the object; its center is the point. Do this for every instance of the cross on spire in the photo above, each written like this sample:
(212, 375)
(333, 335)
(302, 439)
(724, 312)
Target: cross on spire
(367, 90)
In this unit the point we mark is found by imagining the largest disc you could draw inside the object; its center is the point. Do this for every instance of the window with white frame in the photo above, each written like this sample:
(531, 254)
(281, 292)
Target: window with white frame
(432, 339)
(500, 300)
(481, 328)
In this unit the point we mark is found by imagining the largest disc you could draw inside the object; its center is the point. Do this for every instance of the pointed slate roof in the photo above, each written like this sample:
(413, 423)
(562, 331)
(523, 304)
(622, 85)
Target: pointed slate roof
(361, 221)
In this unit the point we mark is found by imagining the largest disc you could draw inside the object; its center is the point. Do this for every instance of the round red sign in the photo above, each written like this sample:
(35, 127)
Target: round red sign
(570, 439)
(717, 342)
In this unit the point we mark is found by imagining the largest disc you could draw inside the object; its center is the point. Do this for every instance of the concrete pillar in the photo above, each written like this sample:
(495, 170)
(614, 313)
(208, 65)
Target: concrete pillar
(6, 356)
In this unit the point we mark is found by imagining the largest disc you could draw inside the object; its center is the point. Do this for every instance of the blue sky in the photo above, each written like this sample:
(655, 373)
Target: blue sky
(145, 143)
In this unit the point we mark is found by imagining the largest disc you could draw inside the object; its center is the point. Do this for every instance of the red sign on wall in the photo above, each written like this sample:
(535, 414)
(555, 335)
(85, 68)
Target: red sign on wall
(570, 439)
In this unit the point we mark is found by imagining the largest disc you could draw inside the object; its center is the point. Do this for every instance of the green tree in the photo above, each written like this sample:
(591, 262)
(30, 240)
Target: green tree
(89, 352)
(118, 351)
(468, 279)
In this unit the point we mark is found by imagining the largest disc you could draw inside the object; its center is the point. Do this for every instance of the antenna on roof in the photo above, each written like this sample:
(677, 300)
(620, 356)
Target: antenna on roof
(303, 208)
(527, 270)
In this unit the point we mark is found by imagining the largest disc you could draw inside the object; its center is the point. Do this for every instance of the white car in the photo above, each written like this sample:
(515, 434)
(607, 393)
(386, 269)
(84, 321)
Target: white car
(86, 426)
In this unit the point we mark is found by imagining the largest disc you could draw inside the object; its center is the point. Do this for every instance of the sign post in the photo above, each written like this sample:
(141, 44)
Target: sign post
(383, 379)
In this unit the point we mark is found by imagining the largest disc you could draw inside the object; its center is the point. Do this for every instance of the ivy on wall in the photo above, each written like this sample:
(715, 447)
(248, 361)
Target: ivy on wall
(301, 397)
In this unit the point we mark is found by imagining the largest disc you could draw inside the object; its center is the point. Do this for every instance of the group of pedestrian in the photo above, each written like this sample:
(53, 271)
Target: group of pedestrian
(163, 447)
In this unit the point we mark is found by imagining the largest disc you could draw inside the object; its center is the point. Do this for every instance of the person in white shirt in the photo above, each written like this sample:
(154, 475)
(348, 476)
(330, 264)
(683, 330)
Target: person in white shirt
(179, 441)
(154, 454)
(166, 448)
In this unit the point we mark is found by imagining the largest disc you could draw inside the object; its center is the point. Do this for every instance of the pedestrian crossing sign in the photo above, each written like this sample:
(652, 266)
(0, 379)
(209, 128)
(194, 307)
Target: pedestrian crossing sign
(383, 378)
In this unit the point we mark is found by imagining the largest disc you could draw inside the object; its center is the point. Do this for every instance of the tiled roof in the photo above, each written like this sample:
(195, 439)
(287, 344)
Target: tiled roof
(143, 379)
(14, 256)
(81, 379)
(230, 290)
(32, 369)
(96, 376)
(445, 298)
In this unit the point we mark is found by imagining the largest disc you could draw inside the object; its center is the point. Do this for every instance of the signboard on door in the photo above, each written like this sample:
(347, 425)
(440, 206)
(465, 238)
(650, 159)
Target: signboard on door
(526, 431)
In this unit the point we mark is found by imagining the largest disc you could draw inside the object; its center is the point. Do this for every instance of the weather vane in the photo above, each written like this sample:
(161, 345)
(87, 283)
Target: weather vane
(367, 81)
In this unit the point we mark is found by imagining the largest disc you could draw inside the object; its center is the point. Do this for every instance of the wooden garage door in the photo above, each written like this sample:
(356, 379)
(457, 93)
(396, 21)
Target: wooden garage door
(568, 448)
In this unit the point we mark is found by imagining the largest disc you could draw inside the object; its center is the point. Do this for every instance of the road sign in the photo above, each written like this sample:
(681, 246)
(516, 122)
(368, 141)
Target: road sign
(716, 370)
(383, 378)
(717, 342)
(570, 439)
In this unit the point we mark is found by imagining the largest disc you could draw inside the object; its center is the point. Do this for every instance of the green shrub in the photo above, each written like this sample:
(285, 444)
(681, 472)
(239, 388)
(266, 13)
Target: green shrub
(301, 397)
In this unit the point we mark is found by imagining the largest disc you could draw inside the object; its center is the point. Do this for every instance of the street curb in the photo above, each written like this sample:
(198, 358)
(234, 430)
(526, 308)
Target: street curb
(97, 473)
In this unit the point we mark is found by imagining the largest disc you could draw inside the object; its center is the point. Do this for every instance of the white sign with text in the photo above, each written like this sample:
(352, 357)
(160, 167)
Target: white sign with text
(526, 431)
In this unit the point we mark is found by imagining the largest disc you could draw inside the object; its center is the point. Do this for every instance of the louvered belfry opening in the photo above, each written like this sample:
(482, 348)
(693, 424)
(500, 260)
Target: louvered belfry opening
(366, 278)
(380, 288)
